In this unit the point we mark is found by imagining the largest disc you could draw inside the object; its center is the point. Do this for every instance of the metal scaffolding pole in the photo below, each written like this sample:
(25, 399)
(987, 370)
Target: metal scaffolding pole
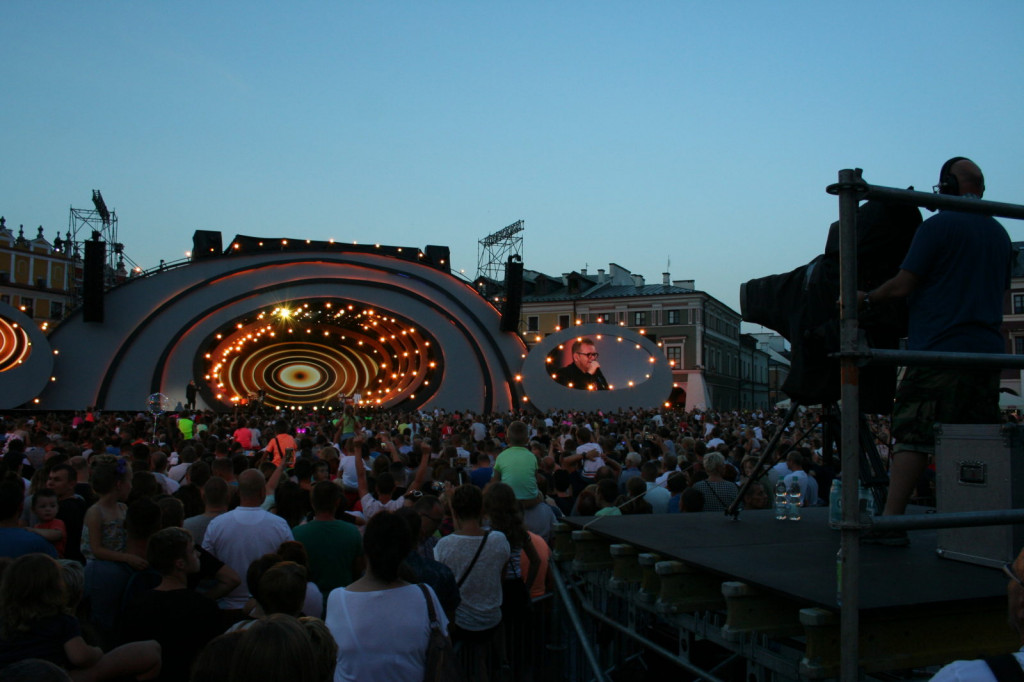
(847, 574)
(908, 358)
(998, 517)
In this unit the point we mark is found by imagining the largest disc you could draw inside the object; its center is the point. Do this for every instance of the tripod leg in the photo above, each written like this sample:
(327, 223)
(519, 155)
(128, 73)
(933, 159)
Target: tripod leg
(733, 509)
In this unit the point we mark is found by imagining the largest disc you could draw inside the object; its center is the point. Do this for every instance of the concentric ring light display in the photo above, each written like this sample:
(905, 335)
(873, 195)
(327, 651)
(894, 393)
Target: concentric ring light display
(26, 361)
(309, 353)
(302, 325)
(15, 347)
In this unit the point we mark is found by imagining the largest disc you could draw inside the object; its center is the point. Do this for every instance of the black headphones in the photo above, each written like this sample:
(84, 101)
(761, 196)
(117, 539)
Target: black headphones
(948, 183)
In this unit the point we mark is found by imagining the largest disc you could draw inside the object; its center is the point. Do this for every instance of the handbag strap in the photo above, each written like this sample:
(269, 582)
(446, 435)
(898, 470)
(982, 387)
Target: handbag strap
(1005, 668)
(430, 606)
(715, 493)
(473, 562)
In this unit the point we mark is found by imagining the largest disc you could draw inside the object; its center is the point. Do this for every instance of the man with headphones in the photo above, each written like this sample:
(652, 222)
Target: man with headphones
(954, 277)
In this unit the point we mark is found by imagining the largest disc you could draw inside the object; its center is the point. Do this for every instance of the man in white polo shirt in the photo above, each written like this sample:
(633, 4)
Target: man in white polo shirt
(245, 534)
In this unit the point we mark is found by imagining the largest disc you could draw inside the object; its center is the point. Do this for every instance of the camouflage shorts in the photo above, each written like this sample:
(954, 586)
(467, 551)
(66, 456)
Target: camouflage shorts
(927, 396)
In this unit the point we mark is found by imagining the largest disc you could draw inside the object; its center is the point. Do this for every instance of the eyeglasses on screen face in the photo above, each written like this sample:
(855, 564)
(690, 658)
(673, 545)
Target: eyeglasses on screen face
(592, 356)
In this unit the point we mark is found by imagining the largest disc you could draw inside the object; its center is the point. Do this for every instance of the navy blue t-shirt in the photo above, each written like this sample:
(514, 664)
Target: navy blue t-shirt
(963, 261)
(481, 477)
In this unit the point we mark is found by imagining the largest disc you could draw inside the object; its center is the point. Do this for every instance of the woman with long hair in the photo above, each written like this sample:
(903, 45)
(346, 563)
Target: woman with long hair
(361, 616)
(504, 514)
(477, 558)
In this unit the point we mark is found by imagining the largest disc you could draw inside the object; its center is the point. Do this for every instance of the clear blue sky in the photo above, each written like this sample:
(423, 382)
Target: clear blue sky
(628, 132)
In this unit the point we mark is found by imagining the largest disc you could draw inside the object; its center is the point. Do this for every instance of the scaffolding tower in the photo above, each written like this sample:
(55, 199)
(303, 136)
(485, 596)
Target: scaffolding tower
(99, 223)
(494, 251)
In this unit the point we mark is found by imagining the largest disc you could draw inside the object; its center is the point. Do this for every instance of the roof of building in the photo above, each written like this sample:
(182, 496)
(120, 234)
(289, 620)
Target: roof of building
(610, 291)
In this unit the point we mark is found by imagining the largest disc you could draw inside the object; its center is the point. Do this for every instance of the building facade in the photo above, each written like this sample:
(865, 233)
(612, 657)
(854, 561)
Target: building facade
(36, 277)
(1012, 380)
(754, 363)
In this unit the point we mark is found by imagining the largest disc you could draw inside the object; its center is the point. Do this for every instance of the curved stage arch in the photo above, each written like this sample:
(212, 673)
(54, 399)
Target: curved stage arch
(304, 326)
(26, 360)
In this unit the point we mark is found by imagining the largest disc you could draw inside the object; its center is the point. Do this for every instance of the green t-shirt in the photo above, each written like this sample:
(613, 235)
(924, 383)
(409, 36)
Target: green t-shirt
(332, 546)
(518, 468)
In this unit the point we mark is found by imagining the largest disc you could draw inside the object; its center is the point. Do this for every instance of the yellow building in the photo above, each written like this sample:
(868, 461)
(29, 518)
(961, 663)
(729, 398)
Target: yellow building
(36, 277)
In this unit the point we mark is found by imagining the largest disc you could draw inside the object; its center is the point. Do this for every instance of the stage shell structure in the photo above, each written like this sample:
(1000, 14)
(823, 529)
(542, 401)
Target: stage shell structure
(304, 322)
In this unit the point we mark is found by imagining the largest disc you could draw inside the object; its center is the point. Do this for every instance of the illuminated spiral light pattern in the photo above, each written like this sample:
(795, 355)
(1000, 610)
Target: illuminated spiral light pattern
(307, 353)
(15, 346)
(299, 373)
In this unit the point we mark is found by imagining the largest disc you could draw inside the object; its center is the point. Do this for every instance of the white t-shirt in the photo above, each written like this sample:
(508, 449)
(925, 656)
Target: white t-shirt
(481, 594)
(658, 498)
(381, 635)
(347, 466)
(241, 536)
(592, 459)
(970, 671)
(313, 605)
(371, 505)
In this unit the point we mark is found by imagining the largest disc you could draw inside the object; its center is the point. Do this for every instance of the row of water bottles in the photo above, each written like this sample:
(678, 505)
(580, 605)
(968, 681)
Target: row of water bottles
(865, 503)
(788, 499)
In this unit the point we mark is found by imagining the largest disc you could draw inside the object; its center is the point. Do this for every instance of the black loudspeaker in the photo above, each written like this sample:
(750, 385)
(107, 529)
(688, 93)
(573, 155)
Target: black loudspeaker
(92, 281)
(440, 257)
(206, 244)
(948, 183)
(513, 309)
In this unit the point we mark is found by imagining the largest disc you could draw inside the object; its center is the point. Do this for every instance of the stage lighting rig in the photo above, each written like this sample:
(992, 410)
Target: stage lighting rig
(101, 206)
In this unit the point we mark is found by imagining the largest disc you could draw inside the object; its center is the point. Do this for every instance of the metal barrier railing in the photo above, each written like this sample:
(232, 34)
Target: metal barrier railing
(850, 189)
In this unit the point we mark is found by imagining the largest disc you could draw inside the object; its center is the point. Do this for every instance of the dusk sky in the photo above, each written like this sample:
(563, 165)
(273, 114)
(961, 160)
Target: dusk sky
(638, 133)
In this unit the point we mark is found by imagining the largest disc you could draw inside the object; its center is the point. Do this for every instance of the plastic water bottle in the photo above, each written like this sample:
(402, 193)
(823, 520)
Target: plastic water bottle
(781, 500)
(866, 504)
(794, 499)
(835, 504)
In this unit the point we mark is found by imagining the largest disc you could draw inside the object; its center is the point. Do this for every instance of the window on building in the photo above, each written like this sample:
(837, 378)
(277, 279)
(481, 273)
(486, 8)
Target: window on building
(674, 355)
(1018, 304)
(673, 316)
(27, 306)
(5, 298)
(639, 318)
(532, 323)
(563, 321)
(56, 310)
(1018, 345)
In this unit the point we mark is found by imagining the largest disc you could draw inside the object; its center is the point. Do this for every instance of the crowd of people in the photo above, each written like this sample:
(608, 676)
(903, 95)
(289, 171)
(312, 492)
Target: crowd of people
(201, 545)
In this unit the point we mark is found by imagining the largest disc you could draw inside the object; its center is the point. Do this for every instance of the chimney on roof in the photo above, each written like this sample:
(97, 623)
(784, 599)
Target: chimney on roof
(638, 280)
(600, 276)
(583, 272)
(687, 284)
(666, 278)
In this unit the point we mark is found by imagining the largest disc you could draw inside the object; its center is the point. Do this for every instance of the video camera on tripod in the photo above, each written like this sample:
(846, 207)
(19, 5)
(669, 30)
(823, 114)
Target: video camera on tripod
(801, 306)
